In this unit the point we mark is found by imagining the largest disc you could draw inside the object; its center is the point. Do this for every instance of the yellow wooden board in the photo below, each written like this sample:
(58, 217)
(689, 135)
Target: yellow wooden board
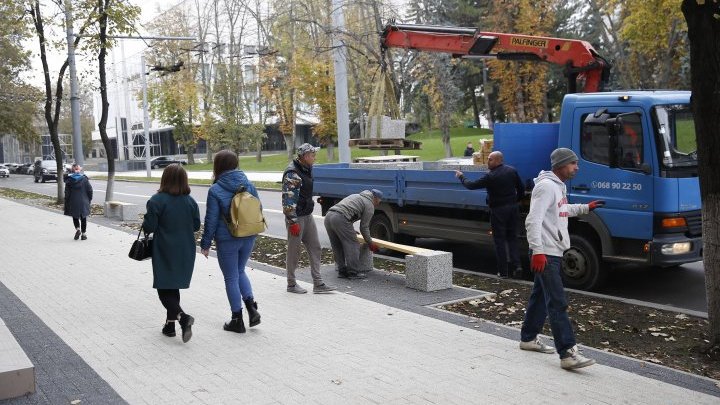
(395, 246)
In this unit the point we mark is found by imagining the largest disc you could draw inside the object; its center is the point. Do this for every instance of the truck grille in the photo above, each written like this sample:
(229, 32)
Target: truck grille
(694, 223)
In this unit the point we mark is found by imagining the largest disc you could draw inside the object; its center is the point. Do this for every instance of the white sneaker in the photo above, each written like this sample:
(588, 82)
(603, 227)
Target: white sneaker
(296, 289)
(575, 360)
(537, 346)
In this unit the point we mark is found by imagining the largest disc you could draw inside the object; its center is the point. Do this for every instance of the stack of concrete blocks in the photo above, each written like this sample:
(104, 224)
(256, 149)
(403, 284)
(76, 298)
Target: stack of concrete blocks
(123, 211)
(389, 128)
(429, 271)
(481, 157)
(17, 373)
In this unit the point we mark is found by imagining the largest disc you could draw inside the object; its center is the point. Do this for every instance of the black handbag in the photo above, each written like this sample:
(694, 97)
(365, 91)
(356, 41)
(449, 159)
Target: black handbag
(141, 248)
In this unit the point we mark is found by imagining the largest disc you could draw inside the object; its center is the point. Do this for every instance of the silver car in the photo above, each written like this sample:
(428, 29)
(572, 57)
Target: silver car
(4, 171)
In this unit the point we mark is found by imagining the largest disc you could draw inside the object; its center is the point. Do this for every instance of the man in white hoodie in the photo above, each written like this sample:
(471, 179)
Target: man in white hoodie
(548, 238)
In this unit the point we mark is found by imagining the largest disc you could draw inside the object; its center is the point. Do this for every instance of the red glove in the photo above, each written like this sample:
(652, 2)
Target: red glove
(294, 229)
(538, 263)
(596, 204)
(374, 247)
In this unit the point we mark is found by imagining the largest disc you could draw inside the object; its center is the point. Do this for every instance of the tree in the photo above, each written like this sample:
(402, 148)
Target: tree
(703, 22)
(19, 101)
(52, 111)
(522, 85)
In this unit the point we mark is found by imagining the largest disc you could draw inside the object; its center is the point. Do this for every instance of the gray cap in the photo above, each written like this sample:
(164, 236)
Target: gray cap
(377, 193)
(562, 156)
(306, 148)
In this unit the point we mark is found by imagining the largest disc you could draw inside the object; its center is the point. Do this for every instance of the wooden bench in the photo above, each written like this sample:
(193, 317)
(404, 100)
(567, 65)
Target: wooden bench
(425, 269)
(123, 211)
(17, 373)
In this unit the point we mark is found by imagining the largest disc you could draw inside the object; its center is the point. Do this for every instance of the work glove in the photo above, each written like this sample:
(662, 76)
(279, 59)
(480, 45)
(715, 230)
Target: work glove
(374, 247)
(538, 263)
(294, 229)
(596, 204)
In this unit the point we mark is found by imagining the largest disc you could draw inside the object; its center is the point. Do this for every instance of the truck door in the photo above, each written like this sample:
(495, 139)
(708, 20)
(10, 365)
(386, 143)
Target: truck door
(627, 189)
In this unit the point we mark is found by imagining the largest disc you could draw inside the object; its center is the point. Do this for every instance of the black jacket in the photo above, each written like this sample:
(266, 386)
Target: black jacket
(78, 194)
(502, 183)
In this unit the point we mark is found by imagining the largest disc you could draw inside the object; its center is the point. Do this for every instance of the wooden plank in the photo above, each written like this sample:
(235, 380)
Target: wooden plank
(395, 246)
(390, 158)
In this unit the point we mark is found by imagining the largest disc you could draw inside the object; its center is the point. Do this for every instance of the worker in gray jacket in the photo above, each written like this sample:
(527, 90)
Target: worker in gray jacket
(339, 225)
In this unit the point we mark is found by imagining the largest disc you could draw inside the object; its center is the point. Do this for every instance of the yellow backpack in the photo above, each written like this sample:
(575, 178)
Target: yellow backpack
(245, 217)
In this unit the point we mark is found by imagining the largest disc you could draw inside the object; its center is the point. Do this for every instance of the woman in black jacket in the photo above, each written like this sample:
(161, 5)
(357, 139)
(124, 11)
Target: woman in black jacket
(78, 194)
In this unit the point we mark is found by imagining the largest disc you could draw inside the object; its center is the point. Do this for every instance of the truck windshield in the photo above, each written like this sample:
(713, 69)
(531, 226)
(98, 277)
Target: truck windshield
(676, 135)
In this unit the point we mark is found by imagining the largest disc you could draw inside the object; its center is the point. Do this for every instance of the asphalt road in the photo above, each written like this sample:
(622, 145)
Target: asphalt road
(681, 286)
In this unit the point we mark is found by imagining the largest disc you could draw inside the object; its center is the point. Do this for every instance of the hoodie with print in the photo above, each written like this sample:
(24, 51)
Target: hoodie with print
(547, 221)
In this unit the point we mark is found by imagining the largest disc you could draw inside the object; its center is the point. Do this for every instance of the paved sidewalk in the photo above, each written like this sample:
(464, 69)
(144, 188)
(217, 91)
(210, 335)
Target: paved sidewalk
(317, 349)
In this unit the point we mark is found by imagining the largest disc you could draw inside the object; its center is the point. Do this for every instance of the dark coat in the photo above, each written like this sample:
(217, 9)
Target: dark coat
(172, 219)
(78, 194)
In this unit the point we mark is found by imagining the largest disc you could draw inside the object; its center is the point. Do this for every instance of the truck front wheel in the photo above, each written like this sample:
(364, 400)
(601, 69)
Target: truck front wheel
(581, 266)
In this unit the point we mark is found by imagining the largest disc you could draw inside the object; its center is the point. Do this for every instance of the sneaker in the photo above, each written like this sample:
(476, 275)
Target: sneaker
(83, 237)
(296, 289)
(575, 360)
(323, 289)
(343, 274)
(77, 234)
(352, 275)
(537, 346)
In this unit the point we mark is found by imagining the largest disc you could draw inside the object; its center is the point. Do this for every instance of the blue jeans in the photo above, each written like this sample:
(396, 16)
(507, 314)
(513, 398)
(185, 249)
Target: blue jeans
(233, 256)
(548, 300)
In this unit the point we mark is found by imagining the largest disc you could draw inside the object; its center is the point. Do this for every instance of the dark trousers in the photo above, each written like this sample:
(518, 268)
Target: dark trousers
(78, 222)
(170, 299)
(504, 222)
(547, 300)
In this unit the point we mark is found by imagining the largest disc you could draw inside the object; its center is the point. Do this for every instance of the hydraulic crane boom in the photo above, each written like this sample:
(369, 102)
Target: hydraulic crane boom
(582, 63)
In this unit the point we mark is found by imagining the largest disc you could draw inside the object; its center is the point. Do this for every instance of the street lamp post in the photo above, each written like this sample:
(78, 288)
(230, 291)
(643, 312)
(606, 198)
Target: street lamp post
(74, 99)
(146, 117)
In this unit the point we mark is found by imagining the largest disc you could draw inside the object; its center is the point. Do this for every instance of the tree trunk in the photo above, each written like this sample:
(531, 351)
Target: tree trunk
(331, 151)
(476, 111)
(102, 125)
(486, 94)
(704, 36)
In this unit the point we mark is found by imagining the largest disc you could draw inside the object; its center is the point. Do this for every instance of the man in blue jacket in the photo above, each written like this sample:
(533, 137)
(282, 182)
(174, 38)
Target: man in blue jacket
(504, 189)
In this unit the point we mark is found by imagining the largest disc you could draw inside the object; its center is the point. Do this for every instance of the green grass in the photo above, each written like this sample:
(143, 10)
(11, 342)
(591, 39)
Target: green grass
(686, 139)
(432, 149)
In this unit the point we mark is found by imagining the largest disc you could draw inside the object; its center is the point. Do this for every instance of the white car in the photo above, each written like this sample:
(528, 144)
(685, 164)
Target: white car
(4, 171)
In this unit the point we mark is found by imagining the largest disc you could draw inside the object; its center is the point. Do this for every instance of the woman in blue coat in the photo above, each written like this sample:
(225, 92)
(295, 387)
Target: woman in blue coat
(78, 194)
(232, 252)
(173, 217)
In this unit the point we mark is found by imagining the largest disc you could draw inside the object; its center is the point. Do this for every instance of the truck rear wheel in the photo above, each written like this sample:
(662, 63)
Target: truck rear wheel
(581, 266)
(381, 228)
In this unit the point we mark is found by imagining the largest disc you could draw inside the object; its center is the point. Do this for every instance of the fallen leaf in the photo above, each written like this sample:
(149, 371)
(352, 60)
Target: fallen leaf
(670, 339)
(336, 382)
(505, 292)
(659, 334)
(681, 316)
(75, 402)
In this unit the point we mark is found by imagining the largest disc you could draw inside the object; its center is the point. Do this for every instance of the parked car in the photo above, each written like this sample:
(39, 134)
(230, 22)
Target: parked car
(12, 167)
(165, 161)
(24, 168)
(44, 170)
(4, 171)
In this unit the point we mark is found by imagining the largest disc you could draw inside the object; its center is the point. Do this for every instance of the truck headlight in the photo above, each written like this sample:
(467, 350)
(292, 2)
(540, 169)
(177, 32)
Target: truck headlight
(676, 248)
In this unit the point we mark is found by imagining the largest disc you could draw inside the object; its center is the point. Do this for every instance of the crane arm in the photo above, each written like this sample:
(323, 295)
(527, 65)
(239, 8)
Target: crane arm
(582, 63)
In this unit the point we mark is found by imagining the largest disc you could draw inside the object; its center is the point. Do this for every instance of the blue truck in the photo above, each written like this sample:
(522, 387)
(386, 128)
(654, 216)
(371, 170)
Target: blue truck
(637, 152)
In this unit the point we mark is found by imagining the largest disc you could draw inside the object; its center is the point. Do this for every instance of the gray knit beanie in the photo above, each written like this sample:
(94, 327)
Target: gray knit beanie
(562, 156)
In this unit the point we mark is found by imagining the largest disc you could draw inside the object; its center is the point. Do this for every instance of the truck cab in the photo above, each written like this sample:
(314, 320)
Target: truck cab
(637, 151)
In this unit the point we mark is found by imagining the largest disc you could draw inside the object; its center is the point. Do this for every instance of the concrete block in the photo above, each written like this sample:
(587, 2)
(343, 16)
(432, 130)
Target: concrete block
(388, 128)
(366, 259)
(123, 211)
(17, 373)
(429, 271)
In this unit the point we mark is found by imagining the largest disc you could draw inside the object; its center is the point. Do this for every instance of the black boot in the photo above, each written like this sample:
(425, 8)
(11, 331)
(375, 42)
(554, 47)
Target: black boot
(169, 328)
(236, 323)
(186, 323)
(253, 314)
